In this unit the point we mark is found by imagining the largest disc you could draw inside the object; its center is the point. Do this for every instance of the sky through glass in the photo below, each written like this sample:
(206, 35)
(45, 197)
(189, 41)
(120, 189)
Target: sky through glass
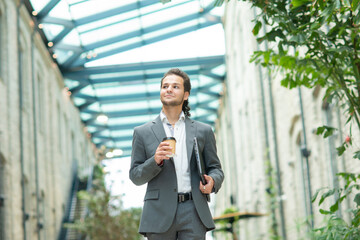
(113, 54)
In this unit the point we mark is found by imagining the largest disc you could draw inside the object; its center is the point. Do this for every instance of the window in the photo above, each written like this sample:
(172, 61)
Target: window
(65, 138)
(59, 126)
(73, 147)
(25, 74)
(40, 102)
(24, 89)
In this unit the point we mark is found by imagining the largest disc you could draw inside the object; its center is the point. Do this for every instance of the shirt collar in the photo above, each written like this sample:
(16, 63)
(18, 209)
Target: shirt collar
(165, 120)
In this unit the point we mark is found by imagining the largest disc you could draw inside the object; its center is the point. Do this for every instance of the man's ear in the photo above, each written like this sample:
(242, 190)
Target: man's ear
(186, 96)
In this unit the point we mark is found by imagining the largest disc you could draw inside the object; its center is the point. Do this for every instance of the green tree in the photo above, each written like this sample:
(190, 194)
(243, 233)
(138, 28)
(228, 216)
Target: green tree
(313, 43)
(336, 227)
(106, 217)
(327, 32)
(316, 44)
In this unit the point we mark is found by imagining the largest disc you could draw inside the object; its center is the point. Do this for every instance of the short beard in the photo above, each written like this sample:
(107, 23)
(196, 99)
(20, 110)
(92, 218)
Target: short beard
(173, 103)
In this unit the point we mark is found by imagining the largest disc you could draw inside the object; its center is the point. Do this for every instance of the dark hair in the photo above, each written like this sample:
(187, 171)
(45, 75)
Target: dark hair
(187, 87)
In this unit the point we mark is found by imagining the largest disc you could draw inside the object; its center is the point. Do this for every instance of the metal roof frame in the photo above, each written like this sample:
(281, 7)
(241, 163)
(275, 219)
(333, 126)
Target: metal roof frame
(84, 82)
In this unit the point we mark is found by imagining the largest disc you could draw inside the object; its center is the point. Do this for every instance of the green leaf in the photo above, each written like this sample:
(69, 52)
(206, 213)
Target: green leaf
(357, 155)
(288, 62)
(354, 5)
(328, 12)
(271, 36)
(346, 175)
(261, 39)
(357, 19)
(320, 130)
(315, 25)
(285, 82)
(322, 211)
(255, 56)
(266, 56)
(349, 119)
(299, 3)
(328, 131)
(341, 150)
(340, 49)
(326, 195)
(334, 207)
(316, 194)
(256, 28)
(342, 198)
(356, 221)
(357, 199)
(350, 188)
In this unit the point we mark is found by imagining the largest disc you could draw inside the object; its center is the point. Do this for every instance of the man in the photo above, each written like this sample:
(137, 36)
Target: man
(175, 205)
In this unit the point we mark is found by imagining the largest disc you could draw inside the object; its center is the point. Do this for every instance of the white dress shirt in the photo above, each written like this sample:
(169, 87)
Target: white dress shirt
(180, 159)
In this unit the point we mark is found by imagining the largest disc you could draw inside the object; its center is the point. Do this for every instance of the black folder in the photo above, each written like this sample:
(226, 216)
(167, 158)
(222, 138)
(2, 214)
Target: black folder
(200, 165)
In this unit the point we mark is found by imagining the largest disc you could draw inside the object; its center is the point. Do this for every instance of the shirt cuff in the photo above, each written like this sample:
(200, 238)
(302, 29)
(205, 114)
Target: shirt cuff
(161, 164)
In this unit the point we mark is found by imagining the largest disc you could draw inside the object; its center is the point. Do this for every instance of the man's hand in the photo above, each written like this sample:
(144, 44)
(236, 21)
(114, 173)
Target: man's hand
(207, 188)
(162, 150)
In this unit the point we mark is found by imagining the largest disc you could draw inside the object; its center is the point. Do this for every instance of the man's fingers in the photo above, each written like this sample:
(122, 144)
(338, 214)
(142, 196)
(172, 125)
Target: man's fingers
(208, 179)
(208, 186)
(163, 144)
(163, 148)
(204, 188)
(162, 153)
(166, 148)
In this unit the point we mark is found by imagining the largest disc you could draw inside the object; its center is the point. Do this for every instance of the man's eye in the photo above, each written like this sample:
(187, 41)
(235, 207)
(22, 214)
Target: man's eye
(176, 86)
(165, 86)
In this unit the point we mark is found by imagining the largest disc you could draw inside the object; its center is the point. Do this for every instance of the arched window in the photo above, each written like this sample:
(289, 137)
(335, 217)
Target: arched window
(24, 66)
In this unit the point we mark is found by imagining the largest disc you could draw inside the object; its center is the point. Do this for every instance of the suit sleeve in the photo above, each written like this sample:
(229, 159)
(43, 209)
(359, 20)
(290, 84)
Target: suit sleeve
(142, 169)
(212, 162)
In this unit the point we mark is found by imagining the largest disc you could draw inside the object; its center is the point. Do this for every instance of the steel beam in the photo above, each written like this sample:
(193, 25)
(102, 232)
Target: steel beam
(86, 72)
(140, 43)
(144, 31)
(48, 7)
(115, 11)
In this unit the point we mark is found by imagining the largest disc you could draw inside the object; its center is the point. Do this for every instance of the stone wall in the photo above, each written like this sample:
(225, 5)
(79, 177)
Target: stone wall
(42, 139)
(261, 126)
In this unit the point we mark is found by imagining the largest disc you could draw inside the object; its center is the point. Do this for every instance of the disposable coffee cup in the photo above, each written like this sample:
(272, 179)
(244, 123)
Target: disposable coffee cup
(172, 143)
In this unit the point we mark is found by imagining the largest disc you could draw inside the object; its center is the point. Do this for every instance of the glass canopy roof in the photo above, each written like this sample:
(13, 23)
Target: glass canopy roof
(113, 54)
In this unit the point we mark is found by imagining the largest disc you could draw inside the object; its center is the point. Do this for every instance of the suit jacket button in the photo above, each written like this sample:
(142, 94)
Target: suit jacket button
(175, 190)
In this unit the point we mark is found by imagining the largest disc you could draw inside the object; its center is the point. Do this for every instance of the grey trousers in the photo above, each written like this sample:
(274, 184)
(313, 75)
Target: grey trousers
(186, 226)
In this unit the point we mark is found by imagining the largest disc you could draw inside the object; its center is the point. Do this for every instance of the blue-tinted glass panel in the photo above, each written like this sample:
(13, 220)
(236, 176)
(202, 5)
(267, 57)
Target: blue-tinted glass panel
(101, 33)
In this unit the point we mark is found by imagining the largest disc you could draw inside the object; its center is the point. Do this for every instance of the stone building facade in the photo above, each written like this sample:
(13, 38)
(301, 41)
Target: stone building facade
(42, 139)
(263, 126)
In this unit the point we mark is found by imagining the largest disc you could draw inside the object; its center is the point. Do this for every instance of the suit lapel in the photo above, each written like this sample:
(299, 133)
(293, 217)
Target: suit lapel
(190, 134)
(190, 128)
(158, 129)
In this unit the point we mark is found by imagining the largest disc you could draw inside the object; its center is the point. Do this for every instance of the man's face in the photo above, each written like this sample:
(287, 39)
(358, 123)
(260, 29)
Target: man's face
(172, 91)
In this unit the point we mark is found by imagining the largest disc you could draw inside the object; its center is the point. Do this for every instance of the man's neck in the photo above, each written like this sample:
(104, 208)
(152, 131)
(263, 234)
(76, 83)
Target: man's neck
(172, 114)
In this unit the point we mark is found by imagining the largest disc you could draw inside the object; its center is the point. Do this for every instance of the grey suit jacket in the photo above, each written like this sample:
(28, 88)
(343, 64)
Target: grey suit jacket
(160, 202)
